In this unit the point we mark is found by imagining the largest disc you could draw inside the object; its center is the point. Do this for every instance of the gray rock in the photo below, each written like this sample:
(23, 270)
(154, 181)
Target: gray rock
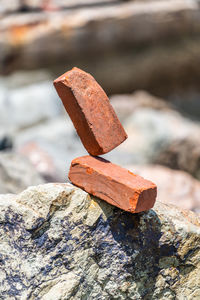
(57, 243)
(125, 105)
(28, 105)
(154, 129)
(152, 133)
(22, 79)
(16, 173)
(58, 139)
(183, 154)
(9, 6)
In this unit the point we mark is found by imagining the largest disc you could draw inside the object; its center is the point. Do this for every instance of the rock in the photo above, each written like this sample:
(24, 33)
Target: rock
(16, 173)
(59, 243)
(9, 7)
(31, 104)
(41, 160)
(174, 187)
(51, 146)
(21, 79)
(183, 154)
(153, 132)
(187, 102)
(126, 104)
(139, 47)
(159, 134)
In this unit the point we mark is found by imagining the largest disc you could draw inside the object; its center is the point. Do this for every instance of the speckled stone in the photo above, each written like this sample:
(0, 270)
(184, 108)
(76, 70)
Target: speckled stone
(56, 242)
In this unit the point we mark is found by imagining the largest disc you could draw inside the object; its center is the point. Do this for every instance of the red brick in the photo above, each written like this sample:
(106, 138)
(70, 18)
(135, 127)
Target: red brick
(90, 111)
(113, 184)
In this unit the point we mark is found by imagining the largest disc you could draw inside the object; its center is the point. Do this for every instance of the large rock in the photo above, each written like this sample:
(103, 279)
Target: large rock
(141, 42)
(183, 154)
(9, 7)
(158, 134)
(27, 105)
(59, 243)
(53, 144)
(16, 173)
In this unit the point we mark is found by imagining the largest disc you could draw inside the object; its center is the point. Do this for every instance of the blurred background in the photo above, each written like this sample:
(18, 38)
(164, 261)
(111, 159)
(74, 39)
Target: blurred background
(146, 56)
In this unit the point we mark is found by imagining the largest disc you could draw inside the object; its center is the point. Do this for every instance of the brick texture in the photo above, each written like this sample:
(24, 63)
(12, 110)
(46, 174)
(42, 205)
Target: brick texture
(113, 184)
(90, 111)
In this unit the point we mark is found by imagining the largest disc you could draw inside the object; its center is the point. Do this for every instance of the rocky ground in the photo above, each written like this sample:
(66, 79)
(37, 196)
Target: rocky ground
(59, 243)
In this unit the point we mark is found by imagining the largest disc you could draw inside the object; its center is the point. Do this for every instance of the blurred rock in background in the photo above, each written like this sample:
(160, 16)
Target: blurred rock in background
(16, 173)
(174, 187)
(126, 45)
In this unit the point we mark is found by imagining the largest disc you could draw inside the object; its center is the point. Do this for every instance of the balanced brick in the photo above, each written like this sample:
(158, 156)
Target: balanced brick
(90, 111)
(113, 184)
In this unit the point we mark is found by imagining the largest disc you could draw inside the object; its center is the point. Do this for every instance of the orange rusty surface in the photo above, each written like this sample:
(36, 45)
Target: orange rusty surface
(19, 34)
(113, 184)
(90, 111)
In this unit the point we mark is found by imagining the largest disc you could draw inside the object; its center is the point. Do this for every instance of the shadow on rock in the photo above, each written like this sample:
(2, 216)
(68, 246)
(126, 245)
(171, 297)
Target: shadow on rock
(130, 243)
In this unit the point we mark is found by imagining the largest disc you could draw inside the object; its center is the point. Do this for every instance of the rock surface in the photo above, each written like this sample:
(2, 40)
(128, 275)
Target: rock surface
(31, 104)
(16, 173)
(126, 104)
(55, 143)
(162, 136)
(59, 243)
(182, 154)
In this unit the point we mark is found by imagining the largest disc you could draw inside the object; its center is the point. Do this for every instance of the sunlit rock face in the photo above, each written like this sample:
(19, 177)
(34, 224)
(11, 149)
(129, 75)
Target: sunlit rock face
(57, 242)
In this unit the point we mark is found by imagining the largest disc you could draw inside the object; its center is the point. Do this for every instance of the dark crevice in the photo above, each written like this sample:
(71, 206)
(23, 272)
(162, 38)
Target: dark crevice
(39, 231)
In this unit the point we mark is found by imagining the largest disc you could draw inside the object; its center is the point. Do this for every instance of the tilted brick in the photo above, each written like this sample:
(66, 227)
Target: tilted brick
(90, 111)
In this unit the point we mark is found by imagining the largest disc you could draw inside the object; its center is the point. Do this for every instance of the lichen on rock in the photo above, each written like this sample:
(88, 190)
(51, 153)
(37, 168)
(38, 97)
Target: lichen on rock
(57, 242)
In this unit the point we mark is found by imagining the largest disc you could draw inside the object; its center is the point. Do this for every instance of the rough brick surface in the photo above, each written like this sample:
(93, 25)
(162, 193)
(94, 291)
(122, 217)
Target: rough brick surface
(113, 184)
(90, 111)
